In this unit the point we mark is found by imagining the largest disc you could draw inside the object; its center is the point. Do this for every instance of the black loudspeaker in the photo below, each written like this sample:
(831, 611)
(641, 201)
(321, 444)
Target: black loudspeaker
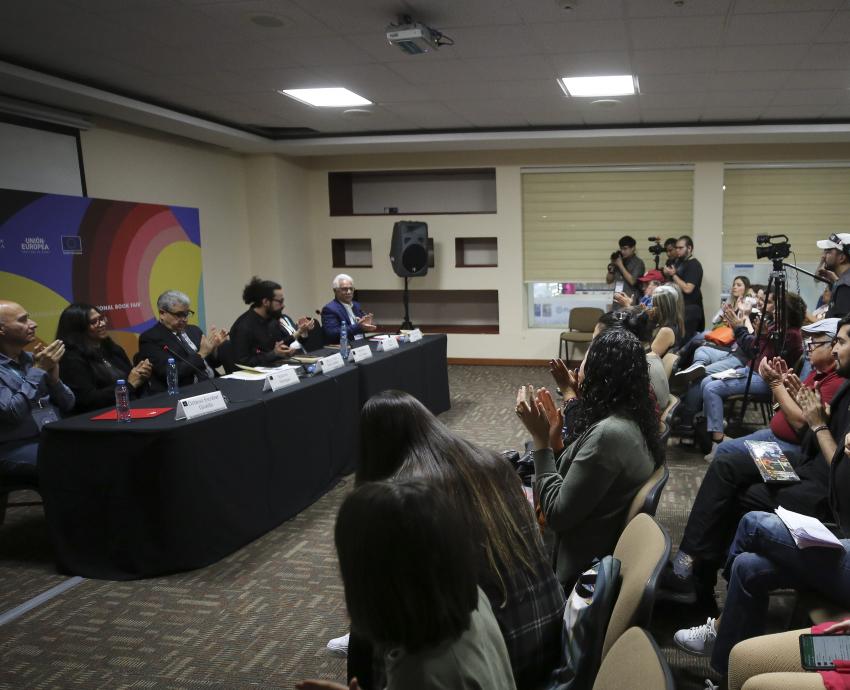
(409, 248)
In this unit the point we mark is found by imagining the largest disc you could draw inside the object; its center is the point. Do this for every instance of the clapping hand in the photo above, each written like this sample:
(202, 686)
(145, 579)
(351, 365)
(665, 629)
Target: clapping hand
(47, 357)
(533, 416)
(812, 406)
(140, 373)
(305, 325)
(566, 380)
(366, 322)
(793, 384)
(622, 299)
(773, 371)
(732, 318)
(555, 416)
(211, 340)
(281, 349)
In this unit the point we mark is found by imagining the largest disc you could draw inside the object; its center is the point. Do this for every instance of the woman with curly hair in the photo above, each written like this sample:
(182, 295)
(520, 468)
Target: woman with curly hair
(613, 448)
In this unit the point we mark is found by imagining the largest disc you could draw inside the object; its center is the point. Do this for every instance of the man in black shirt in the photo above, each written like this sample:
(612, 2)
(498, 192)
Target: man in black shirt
(686, 273)
(836, 261)
(257, 336)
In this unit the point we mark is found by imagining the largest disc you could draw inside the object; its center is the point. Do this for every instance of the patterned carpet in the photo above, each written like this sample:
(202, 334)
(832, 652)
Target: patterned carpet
(261, 617)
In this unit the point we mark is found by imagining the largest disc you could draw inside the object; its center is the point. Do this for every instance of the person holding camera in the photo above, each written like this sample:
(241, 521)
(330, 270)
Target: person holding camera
(835, 262)
(686, 273)
(625, 266)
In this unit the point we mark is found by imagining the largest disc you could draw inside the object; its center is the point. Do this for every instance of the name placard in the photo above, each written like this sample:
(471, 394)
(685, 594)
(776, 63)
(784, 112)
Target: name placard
(414, 335)
(280, 379)
(331, 362)
(361, 353)
(388, 344)
(199, 405)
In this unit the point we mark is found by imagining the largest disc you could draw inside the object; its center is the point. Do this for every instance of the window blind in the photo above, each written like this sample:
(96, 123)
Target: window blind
(572, 220)
(807, 204)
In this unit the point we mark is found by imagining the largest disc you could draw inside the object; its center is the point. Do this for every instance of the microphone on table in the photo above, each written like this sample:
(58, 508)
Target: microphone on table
(198, 370)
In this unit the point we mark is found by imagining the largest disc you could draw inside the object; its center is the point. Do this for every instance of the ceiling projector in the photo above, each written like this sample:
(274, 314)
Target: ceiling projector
(413, 38)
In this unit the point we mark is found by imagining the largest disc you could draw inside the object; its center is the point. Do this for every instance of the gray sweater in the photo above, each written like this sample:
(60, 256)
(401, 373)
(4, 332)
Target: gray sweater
(586, 496)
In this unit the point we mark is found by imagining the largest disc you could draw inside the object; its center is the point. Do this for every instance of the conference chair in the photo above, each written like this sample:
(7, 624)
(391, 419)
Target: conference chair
(643, 550)
(634, 661)
(668, 412)
(582, 322)
(647, 498)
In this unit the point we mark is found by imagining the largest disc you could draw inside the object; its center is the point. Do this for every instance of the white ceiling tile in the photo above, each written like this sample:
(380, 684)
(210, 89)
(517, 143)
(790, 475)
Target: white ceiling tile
(840, 111)
(818, 79)
(436, 71)
(623, 113)
(345, 16)
(673, 83)
(837, 30)
(676, 32)
(442, 14)
(492, 41)
(759, 6)
(589, 64)
(493, 113)
(731, 114)
(175, 25)
(582, 37)
(429, 115)
(827, 56)
(793, 112)
(807, 96)
(651, 116)
(544, 12)
(675, 61)
(780, 27)
(747, 81)
(323, 50)
(246, 81)
(754, 58)
(514, 68)
(661, 101)
(548, 113)
(236, 18)
(723, 99)
(665, 8)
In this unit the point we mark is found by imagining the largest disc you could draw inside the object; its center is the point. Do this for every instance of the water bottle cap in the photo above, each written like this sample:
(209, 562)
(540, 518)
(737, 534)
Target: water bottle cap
(171, 360)
(120, 382)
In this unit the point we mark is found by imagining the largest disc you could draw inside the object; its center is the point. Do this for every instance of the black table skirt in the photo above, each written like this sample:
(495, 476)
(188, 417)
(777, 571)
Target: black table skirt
(158, 496)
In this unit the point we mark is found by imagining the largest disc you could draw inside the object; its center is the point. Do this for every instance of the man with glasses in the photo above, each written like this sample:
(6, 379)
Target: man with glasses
(686, 273)
(733, 485)
(343, 309)
(835, 261)
(625, 266)
(182, 340)
(257, 336)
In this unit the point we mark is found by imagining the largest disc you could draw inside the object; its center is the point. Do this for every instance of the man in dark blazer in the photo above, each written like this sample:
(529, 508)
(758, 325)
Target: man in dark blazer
(182, 340)
(343, 309)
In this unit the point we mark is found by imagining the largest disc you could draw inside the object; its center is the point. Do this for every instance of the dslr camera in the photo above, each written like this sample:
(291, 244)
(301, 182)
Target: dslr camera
(657, 249)
(768, 248)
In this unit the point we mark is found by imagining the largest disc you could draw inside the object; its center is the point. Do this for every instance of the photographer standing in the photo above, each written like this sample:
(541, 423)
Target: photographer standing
(625, 266)
(686, 273)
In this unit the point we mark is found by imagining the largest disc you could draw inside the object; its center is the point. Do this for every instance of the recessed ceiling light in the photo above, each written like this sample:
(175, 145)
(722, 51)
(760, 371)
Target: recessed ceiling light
(607, 103)
(596, 87)
(326, 98)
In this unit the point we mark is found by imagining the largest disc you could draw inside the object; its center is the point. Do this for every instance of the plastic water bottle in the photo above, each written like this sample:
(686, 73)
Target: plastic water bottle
(122, 400)
(171, 377)
(343, 340)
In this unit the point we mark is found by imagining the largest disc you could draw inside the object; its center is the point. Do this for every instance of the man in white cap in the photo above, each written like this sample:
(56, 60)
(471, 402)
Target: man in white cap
(732, 472)
(836, 261)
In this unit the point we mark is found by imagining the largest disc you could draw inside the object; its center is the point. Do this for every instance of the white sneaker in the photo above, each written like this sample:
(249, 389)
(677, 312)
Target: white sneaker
(692, 373)
(698, 640)
(710, 456)
(339, 645)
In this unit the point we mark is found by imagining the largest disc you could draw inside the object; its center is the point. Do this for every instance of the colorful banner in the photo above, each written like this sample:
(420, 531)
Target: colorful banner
(116, 255)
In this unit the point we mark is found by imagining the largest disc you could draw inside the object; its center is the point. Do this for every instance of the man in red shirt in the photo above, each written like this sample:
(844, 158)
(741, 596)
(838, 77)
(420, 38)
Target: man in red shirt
(709, 530)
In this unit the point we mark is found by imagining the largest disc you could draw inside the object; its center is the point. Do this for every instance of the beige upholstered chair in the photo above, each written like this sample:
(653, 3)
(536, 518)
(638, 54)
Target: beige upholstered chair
(634, 662)
(770, 662)
(669, 361)
(646, 500)
(582, 322)
(642, 550)
(668, 412)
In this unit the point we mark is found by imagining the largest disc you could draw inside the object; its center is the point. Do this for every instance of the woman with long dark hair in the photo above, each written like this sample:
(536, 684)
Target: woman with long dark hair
(93, 361)
(401, 439)
(613, 448)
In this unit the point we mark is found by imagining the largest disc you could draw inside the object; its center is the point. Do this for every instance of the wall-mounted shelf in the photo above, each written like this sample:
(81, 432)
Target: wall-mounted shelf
(412, 192)
(441, 311)
(476, 252)
(351, 253)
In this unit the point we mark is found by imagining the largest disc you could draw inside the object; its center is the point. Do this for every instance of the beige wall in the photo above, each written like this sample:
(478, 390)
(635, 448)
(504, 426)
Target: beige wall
(269, 215)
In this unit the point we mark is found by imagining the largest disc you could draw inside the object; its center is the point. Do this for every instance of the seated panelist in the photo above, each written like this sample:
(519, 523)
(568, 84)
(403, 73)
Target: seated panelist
(343, 309)
(93, 362)
(258, 338)
(194, 352)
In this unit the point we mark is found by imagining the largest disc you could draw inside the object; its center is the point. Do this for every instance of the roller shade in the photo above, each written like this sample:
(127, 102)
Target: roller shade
(807, 204)
(572, 220)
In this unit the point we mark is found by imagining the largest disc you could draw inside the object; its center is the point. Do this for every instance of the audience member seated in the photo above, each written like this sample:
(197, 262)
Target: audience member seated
(257, 336)
(713, 392)
(835, 266)
(401, 439)
(733, 486)
(408, 563)
(174, 337)
(31, 392)
(93, 362)
(667, 316)
(647, 283)
(763, 558)
(612, 449)
(343, 309)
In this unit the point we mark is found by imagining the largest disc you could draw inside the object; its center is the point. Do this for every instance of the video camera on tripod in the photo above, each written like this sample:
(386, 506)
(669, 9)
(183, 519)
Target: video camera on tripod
(656, 249)
(775, 251)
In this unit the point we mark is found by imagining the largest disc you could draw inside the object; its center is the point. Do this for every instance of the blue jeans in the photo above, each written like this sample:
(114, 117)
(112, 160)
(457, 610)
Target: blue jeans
(18, 460)
(714, 392)
(763, 558)
(737, 445)
(714, 361)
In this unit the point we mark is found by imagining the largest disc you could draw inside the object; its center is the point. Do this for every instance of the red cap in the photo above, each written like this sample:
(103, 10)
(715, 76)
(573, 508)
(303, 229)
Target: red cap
(654, 274)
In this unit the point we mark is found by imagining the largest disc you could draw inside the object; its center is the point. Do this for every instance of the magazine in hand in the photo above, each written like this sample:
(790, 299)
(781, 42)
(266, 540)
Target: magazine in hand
(771, 462)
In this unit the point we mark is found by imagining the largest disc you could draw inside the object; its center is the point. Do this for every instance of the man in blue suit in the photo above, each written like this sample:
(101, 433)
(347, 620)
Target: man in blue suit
(343, 308)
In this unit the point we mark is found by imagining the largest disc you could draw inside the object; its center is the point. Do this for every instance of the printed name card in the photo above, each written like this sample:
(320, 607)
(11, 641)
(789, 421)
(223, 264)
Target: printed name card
(414, 335)
(199, 405)
(361, 353)
(331, 362)
(280, 379)
(388, 344)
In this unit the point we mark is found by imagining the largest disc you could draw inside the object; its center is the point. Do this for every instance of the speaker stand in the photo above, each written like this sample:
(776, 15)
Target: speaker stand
(406, 325)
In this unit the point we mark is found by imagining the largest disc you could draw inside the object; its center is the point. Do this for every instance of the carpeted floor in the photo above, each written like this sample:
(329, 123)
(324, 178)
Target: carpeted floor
(261, 617)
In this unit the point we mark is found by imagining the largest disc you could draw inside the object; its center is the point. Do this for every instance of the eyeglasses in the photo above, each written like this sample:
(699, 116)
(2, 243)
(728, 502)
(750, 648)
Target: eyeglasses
(275, 300)
(188, 314)
(345, 289)
(812, 345)
(97, 320)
